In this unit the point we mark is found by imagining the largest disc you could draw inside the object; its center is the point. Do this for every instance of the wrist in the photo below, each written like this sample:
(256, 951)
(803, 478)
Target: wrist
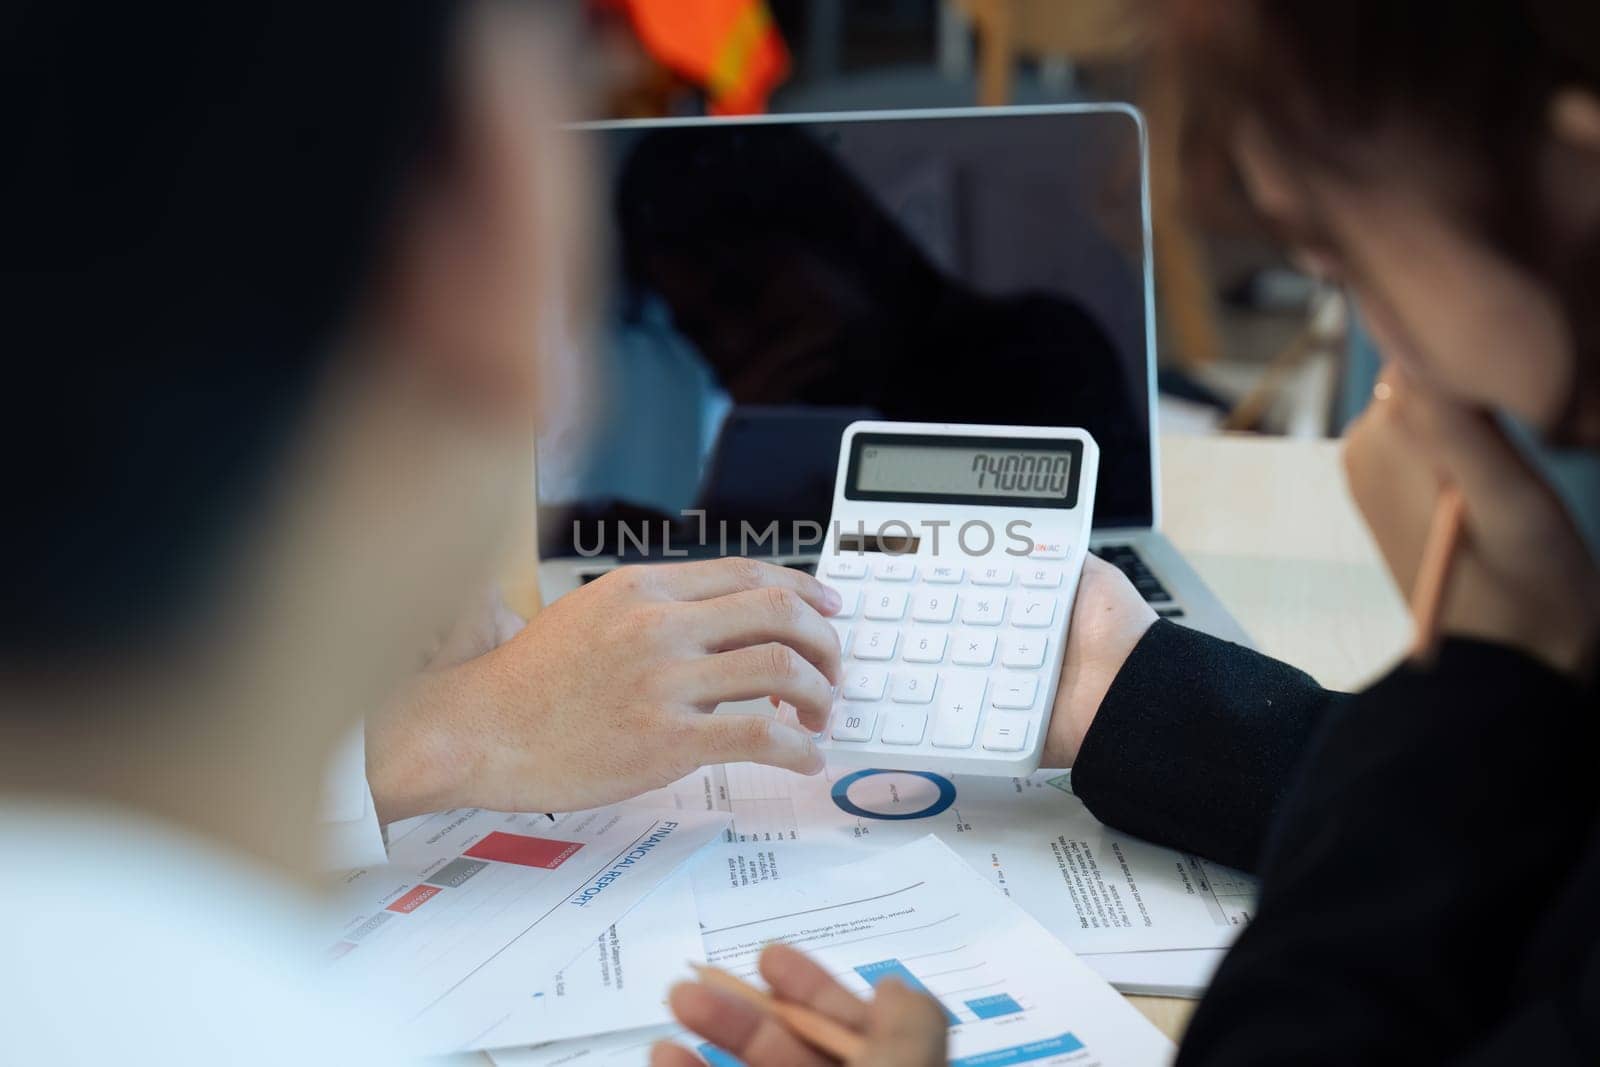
(419, 759)
(1087, 679)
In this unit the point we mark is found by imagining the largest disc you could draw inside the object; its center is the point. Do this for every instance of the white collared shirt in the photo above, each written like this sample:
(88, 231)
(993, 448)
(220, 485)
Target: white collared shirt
(127, 942)
(351, 835)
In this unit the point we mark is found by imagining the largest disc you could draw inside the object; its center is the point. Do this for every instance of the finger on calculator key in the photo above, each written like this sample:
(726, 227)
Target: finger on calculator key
(759, 616)
(760, 671)
(709, 579)
(752, 739)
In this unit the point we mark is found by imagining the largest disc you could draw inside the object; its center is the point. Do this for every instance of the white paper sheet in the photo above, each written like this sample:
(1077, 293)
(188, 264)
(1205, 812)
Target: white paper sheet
(1097, 889)
(620, 981)
(1184, 972)
(475, 910)
(626, 1048)
(1012, 993)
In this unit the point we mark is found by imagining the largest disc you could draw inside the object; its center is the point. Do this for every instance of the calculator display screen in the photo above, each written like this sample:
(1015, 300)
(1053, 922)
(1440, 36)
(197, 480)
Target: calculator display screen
(972, 470)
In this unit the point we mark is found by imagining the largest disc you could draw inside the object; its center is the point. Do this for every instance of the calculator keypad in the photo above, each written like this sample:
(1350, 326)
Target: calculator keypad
(942, 654)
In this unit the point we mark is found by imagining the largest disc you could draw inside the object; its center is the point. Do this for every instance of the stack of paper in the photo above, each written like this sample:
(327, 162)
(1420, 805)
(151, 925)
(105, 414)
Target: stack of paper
(456, 934)
(1012, 994)
(493, 931)
(1149, 919)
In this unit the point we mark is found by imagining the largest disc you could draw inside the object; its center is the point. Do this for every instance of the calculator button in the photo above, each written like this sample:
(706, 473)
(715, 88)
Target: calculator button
(1014, 691)
(841, 567)
(956, 723)
(854, 724)
(1038, 611)
(925, 646)
(904, 727)
(1004, 732)
(1023, 650)
(973, 650)
(874, 642)
(1041, 575)
(914, 687)
(841, 628)
(1050, 550)
(864, 683)
(934, 605)
(849, 595)
(895, 570)
(943, 574)
(991, 574)
(983, 609)
(885, 604)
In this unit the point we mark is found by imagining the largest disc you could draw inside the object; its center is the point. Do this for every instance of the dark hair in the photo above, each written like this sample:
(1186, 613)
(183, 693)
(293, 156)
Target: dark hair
(1474, 80)
(194, 197)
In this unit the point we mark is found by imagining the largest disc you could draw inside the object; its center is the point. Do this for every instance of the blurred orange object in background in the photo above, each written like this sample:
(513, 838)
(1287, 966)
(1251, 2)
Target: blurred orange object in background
(730, 48)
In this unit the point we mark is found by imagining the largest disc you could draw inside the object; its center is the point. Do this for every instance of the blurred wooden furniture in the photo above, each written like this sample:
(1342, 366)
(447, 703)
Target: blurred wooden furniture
(1119, 32)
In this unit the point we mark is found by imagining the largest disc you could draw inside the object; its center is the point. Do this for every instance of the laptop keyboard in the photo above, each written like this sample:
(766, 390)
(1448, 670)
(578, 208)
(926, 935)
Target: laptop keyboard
(1127, 560)
(1123, 557)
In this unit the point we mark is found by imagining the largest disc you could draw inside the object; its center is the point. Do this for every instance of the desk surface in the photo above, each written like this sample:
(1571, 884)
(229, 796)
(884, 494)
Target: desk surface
(1269, 525)
(1271, 528)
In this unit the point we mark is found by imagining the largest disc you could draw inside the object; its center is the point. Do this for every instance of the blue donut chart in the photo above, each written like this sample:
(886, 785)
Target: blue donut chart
(841, 796)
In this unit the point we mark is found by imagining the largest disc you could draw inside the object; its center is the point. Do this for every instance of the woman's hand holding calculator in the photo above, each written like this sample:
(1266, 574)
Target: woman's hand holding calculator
(607, 693)
(1108, 619)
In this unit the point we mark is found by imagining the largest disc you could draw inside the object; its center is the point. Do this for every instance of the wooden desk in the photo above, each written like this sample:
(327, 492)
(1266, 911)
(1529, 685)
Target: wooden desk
(1269, 525)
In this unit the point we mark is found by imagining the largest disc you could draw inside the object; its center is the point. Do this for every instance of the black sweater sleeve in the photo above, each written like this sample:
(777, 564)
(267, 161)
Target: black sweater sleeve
(1434, 823)
(1196, 742)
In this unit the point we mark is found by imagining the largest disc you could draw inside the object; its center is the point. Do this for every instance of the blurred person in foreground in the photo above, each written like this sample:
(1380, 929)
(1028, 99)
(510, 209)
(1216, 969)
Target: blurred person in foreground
(276, 279)
(1429, 848)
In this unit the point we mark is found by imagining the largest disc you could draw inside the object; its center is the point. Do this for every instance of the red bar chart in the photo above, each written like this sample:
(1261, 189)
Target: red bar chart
(524, 851)
(414, 897)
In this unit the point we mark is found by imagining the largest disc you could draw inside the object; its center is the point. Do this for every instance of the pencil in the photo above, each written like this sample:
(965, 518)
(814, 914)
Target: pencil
(810, 1026)
(1433, 573)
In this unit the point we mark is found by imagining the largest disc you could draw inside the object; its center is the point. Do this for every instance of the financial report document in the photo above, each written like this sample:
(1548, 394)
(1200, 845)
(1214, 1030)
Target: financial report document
(620, 981)
(1011, 993)
(474, 912)
(1096, 888)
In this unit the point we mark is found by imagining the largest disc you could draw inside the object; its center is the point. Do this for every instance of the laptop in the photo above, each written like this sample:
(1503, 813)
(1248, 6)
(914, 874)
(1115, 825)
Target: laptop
(774, 279)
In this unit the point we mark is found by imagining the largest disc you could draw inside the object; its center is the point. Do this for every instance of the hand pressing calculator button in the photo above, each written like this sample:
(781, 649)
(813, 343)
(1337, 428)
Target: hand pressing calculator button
(952, 656)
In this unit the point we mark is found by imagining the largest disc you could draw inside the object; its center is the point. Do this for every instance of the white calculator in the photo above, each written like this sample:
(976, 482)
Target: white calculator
(957, 551)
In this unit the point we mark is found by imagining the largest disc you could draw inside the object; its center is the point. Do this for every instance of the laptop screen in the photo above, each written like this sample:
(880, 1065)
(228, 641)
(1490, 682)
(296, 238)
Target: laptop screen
(773, 281)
